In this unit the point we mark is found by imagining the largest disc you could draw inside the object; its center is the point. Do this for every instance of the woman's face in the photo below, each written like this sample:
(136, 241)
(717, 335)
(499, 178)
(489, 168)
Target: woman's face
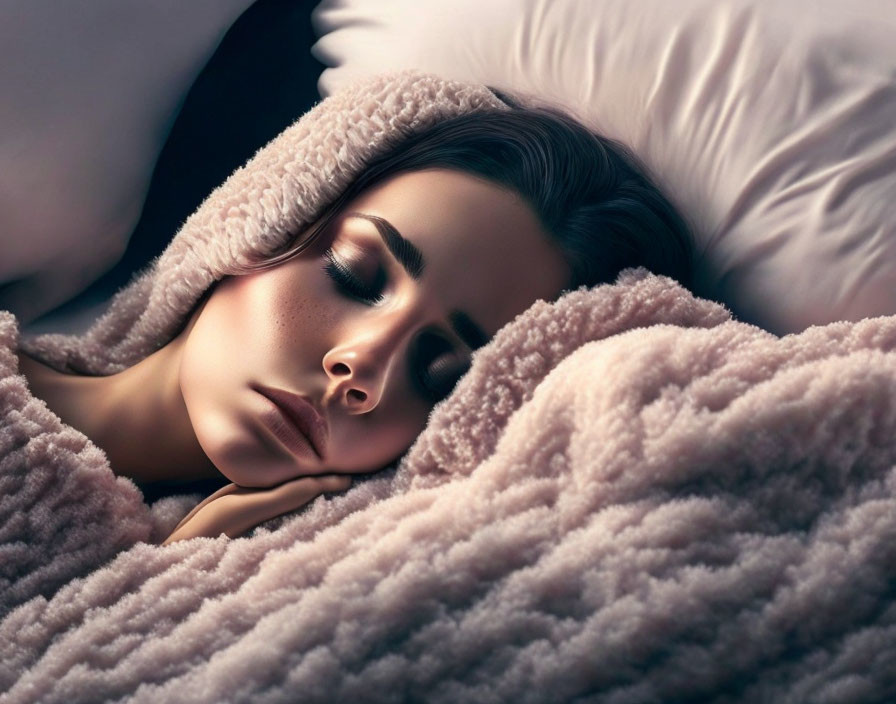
(371, 345)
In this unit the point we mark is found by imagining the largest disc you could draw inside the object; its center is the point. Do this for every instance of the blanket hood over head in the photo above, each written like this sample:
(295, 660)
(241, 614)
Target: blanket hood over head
(261, 207)
(258, 210)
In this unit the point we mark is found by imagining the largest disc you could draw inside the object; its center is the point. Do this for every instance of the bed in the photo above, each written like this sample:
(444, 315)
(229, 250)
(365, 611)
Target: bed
(588, 517)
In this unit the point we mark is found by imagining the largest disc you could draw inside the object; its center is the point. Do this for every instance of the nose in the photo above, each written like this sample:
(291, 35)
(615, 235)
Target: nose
(358, 367)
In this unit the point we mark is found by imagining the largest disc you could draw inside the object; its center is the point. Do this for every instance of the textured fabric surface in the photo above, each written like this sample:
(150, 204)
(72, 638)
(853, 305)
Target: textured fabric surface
(63, 512)
(630, 497)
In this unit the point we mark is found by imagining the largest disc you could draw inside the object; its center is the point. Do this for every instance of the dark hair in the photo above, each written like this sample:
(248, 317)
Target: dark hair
(589, 192)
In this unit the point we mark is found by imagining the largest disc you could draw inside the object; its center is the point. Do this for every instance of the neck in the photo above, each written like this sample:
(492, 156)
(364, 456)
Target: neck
(137, 417)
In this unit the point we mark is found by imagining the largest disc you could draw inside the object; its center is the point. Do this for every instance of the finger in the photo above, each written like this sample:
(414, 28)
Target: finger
(237, 510)
(207, 524)
(333, 482)
(260, 506)
(298, 492)
(223, 491)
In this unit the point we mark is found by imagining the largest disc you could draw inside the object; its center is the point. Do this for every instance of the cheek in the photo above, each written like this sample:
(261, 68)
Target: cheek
(376, 441)
(300, 308)
(275, 327)
(274, 322)
(212, 379)
(251, 329)
(271, 327)
(207, 349)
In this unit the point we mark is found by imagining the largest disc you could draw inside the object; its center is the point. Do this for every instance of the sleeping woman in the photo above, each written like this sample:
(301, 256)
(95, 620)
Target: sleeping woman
(295, 372)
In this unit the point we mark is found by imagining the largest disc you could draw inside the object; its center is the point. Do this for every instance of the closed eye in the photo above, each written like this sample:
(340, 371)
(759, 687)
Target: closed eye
(438, 368)
(350, 284)
(434, 368)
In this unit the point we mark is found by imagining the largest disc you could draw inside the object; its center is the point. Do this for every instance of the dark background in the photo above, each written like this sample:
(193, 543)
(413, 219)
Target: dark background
(261, 79)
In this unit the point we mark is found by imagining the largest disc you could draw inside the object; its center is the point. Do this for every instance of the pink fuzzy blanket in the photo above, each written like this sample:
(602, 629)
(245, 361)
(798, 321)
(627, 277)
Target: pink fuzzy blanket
(630, 497)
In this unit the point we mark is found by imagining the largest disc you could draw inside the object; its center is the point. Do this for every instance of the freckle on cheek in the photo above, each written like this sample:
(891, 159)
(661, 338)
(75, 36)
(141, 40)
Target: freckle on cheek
(303, 313)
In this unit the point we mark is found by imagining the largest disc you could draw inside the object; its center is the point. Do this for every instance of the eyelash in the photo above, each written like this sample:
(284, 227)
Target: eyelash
(439, 383)
(434, 385)
(348, 282)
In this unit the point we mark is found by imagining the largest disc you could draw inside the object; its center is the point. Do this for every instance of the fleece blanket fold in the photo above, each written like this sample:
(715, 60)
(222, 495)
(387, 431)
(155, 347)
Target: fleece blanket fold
(630, 497)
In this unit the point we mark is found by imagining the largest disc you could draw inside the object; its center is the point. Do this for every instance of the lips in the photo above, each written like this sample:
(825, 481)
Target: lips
(302, 414)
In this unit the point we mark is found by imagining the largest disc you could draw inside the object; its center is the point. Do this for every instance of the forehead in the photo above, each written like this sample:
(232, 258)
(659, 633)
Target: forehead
(486, 252)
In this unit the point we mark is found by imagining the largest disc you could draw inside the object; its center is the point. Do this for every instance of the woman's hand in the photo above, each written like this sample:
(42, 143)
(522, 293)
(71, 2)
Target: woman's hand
(235, 510)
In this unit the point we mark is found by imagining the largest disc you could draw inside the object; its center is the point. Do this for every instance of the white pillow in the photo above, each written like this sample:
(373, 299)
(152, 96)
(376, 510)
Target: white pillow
(90, 91)
(772, 125)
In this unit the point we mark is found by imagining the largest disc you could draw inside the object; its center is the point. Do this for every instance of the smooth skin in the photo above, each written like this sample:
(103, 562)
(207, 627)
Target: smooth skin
(193, 407)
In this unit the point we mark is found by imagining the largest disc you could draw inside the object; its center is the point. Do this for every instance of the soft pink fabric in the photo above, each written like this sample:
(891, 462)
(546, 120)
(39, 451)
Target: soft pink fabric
(630, 497)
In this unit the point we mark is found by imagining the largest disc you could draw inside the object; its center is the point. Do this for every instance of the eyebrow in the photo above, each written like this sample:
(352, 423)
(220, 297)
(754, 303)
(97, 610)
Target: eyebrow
(413, 262)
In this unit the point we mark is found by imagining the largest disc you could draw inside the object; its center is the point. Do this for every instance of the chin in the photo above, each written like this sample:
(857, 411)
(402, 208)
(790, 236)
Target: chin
(259, 476)
(243, 455)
